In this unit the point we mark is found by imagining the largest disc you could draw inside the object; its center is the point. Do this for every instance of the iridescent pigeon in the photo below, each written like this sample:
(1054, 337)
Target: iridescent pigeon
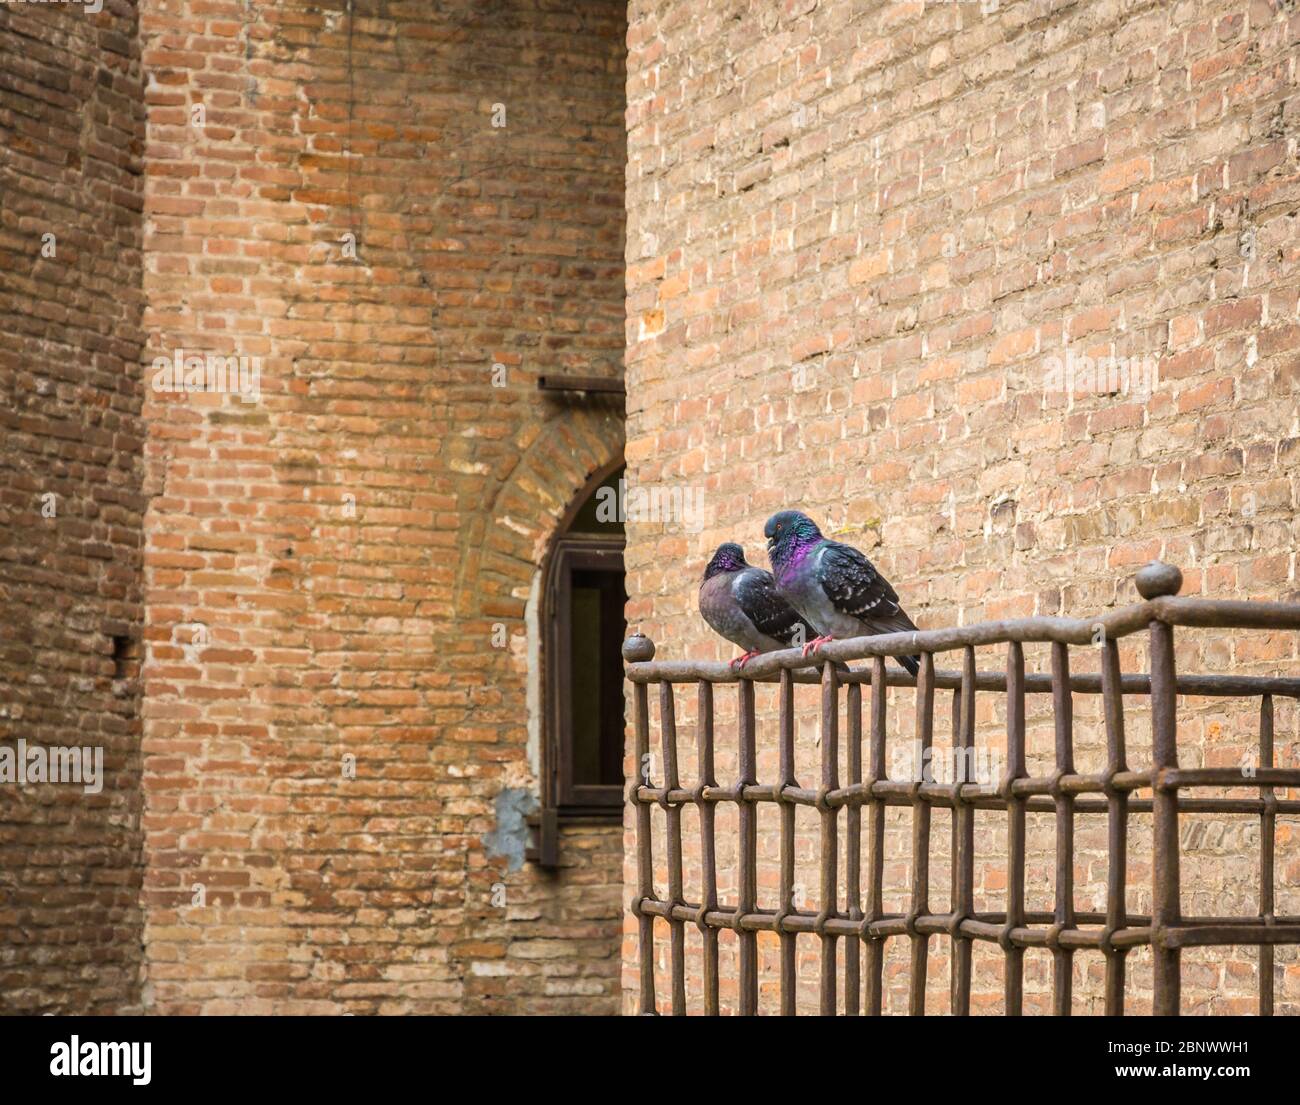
(832, 585)
(740, 603)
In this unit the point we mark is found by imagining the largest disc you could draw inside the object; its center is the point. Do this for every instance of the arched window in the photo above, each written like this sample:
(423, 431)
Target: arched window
(582, 664)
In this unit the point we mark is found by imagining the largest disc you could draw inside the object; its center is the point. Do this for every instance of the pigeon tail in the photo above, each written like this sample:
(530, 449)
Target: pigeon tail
(899, 622)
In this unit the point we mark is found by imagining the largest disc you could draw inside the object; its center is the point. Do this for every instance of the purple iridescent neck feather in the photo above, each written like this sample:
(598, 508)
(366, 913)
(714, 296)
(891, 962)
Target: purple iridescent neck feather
(789, 555)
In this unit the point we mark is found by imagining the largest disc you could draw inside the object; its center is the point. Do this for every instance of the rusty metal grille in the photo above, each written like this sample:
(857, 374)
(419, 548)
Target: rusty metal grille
(851, 925)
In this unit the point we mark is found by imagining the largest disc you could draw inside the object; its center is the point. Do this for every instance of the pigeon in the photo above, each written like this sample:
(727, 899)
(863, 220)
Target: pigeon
(740, 603)
(832, 585)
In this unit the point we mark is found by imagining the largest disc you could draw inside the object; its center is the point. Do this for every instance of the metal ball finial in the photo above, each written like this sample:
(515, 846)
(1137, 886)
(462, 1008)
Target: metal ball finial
(638, 649)
(1158, 578)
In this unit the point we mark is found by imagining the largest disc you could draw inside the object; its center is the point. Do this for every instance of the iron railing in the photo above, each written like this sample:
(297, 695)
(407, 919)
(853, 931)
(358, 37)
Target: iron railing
(864, 927)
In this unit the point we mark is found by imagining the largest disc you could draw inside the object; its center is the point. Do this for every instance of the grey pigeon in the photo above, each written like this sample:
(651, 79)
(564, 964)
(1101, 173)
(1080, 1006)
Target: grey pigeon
(740, 603)
(832, 585)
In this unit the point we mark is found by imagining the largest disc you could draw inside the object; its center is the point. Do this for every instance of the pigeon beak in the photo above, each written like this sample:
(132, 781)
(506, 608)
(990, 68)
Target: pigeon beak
(771, 543)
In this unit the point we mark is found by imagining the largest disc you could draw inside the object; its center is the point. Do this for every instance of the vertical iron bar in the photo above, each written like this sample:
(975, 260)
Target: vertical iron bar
(853, 872)
(963, 862)
(1116, 826)
(708, 851)
(787, 811)
(673, 816)
(644, 870)
(1015, 918)
(748, 817)
(1267, 845)
(921, 834)
(829, 892)
(954, 831)
(1165, 909)
(876, 840)
(1063, 711)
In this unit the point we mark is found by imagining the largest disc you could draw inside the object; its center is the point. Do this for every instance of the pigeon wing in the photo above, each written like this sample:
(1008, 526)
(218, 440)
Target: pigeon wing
(854, 587)
(756, 592)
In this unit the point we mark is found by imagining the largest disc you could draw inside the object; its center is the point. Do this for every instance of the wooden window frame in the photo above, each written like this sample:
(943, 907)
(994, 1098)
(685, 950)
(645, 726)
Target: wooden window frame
(573, 552)
(562, 802)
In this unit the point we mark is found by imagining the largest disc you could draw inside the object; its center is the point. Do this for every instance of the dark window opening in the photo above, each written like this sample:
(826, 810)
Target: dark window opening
(596, 630)
(582, 665)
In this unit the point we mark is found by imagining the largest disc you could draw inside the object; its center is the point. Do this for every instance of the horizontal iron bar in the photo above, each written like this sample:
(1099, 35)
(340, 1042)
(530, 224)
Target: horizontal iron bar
(1190, 931)
(1228, 777)
(1213, 686)
(895, 792)
(1214, 613)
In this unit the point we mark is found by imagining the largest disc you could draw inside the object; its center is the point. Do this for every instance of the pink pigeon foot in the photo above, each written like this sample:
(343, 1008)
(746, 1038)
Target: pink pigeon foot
(815, 644)
(740, 661)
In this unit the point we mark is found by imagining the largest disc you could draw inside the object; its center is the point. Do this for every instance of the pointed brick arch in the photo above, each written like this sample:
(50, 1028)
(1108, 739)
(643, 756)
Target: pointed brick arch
(507, 540)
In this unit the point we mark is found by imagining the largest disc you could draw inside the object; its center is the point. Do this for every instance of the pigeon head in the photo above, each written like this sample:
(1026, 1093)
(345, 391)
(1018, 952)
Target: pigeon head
(729, 557)
(790, 529)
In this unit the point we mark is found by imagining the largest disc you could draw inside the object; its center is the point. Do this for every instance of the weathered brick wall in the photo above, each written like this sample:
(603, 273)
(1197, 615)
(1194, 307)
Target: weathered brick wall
(325, 565)
(71, 144)
(858, 234)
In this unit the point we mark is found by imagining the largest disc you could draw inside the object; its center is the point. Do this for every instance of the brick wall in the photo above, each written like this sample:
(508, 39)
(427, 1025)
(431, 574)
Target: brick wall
(71, 143)
(858, 236)
(325, 565)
